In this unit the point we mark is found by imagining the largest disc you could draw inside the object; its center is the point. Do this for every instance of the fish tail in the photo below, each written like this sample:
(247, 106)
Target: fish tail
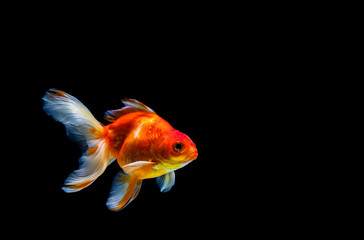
(125, 188)
(84, 129)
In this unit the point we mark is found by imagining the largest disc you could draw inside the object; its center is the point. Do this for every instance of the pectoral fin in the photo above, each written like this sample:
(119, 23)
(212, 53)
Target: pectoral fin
(166, 181)
(140, 168)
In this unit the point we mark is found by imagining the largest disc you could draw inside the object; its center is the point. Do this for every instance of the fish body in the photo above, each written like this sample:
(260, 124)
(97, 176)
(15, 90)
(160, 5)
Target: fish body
(144, 145)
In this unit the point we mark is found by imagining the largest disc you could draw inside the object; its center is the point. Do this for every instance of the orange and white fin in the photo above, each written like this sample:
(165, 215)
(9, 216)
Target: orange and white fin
(166, 181)
(125, 188)
(91, 165)
(81, 126)
(131, 105)
(139, 168)
(84, 129)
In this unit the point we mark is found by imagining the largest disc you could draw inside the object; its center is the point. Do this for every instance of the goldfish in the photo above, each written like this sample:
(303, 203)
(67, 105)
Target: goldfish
(144, 145)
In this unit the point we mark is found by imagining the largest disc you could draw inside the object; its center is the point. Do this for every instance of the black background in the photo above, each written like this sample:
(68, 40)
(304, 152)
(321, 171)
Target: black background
(187, 90)
(227, 181)
(209, 77)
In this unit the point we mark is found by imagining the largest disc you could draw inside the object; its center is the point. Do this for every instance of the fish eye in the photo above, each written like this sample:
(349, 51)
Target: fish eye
(178, 146)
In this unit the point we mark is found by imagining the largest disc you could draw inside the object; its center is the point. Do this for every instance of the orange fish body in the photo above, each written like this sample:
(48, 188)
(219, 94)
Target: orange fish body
(144, 144)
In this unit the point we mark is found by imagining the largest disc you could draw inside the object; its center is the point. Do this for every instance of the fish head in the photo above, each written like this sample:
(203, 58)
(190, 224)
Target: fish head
(175, 150)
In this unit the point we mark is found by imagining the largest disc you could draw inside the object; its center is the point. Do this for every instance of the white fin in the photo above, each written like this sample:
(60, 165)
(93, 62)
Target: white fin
(84, 129)
(166, 181)
(137, 168)
(90, 168)
(81, 126)
(124, 190)
(131, 105)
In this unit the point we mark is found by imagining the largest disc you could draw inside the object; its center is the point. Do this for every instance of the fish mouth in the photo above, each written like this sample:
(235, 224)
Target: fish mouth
(193, 155)
(174, 164)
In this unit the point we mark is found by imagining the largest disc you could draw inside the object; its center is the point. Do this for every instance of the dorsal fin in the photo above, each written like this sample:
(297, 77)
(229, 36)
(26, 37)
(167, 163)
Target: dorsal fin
(131, 105)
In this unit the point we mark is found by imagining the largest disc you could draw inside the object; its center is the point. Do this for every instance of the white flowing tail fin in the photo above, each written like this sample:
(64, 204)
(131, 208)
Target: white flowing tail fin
(83, 128)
